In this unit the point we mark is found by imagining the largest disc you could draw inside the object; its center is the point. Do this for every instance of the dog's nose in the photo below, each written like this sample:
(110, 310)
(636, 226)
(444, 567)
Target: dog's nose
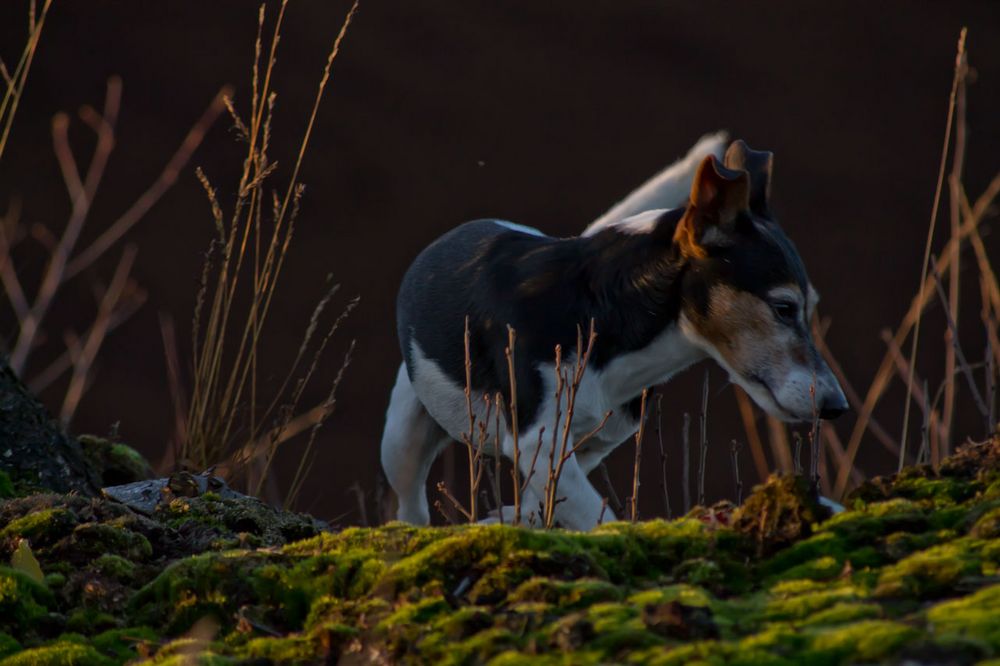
(833, 407)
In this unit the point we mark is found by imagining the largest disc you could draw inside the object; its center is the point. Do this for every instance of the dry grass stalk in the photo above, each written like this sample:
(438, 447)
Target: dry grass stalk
(781, 450)
(952, 307)
(883, 375)
(225, 381)
(959, 62)
(16, 80)
(797, 453)
(634, 499)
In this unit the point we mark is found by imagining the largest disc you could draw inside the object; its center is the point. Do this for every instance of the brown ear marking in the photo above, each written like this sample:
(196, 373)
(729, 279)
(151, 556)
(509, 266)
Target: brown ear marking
(759, 165)
(720, 190)
(718, 195)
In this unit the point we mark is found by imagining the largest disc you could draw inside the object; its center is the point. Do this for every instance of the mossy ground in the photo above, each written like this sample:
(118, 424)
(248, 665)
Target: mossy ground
(909, 573)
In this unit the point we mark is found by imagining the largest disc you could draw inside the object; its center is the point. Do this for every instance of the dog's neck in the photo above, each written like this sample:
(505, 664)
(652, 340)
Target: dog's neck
(637, 279)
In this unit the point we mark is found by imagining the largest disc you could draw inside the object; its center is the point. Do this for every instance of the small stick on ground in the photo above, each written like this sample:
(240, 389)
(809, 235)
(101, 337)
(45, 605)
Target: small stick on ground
(663, 456)
(703, 445)
(634, 501)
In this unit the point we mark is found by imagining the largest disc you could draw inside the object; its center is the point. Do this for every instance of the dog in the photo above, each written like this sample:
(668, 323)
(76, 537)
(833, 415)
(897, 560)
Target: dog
(665, 287)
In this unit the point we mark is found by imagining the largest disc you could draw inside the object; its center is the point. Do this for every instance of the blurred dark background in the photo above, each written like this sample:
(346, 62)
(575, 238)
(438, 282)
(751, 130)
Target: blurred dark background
(541, 113)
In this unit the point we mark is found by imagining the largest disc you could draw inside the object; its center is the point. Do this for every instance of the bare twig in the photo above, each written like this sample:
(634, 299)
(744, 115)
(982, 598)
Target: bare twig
(703, 442)
(84, 360)
(634, 500)
(797, 457)
(735, 451)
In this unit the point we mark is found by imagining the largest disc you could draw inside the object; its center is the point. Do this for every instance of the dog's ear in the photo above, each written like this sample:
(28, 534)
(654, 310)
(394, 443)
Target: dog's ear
(757, 163)
(718, 197)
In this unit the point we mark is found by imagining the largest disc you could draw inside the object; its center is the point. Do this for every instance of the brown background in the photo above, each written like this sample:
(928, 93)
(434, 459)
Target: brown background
(541, 113)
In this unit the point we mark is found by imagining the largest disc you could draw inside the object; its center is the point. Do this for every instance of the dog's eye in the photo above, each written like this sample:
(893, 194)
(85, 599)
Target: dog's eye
(786, 311)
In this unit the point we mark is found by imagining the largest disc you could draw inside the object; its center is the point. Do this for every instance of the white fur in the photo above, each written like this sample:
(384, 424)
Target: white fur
(667, 189)
(640, 223)
(520, 227)
(408, 450)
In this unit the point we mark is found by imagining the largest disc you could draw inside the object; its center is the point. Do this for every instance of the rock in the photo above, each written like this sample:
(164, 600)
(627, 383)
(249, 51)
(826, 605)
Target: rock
(34, 450)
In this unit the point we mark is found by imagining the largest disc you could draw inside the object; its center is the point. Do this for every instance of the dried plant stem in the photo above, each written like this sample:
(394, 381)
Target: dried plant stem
(15, 82)
(853, 398)
(959, 61)
(797, 455)
(959, 354)
(84, 358)
(884, 373)
(82, 194)
(634, 500)
(735, 452)
(512, 406)
(952, 305)
(919, 395)
(703, 441)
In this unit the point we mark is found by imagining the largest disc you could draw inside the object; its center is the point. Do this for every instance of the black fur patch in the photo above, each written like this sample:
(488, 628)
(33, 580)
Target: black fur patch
(632, 285)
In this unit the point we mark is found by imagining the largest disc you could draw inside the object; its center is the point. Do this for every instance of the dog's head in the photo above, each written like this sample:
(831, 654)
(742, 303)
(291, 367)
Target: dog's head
(746, 298)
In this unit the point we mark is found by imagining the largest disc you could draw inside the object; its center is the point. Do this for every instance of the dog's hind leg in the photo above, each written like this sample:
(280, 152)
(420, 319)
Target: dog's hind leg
(411, 442)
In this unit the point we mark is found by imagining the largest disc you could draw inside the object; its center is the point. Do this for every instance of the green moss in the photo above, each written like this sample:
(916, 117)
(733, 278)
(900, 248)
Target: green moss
(45, 525)
(987, 526)
(293, 649)
(121, 644)
(59, 653)
(8, 645)
(6, 486)
(90, 621)
(114, 566)
(96, 539)
(932, 572)
(864, 641)
(975, 616)
(22, 600)
(801, 602)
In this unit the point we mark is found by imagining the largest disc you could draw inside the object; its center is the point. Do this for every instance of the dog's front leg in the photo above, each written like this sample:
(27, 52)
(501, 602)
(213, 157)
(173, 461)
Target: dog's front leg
(578, 505)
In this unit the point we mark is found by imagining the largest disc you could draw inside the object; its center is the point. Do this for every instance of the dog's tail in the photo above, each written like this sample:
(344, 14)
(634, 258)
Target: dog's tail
(667, 189)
